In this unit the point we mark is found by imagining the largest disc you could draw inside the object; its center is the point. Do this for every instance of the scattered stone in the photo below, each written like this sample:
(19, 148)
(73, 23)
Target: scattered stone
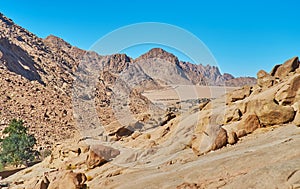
(100, 154)
(221, 139)
(232, 138)
(241, 133)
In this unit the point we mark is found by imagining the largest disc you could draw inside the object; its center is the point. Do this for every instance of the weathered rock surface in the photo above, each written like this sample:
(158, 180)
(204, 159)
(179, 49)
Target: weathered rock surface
(99, 155)
(290, 93)
(264, 79)
(283, 70)
(249, 123)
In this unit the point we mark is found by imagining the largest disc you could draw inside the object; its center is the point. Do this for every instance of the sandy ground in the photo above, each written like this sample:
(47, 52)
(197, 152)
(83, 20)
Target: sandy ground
(176, 93)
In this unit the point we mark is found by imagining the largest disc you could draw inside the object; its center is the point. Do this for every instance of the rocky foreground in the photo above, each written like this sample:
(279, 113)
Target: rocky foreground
(248, 138)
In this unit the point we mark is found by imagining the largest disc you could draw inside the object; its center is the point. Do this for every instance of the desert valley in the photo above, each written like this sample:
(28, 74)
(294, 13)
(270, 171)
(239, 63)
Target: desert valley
(112, 121)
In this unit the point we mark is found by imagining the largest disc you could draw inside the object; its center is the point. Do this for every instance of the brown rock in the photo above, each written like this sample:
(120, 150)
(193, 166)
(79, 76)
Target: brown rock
(249, 123)
(290, 93)
(69, 180)
(232, 115)
(239, 94)
(268, 112)
(100, 154)
(232, 138)
(296, 120)
(264, 79)
(241, 133)
(221, 139)
(273, 114)
(283, 70)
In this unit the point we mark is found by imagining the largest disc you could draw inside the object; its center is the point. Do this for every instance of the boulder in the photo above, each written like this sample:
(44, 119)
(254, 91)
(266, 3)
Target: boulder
(100, 154)
(212, 138)
(121, 132)
(239, 94)
(231, 115)
(232, 138)
(268, 112)
(221, 139)
(241, 133)
(289, 93)
(249, 123)
(69, 180)
(281, 71)
(264, 79)
(273, 114)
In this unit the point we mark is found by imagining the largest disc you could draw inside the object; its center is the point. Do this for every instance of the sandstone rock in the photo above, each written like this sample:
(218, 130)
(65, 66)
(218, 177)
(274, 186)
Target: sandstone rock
(249, 123)
(231, 115)
(212, 138)
(289, 93)
(100, 154)
(296, 120)
(69, 180)
(241, 133)
(268, 112)
(273, 114)
(239, 94)
(169, 116)
(264, 79)
(232, 138)
(221, 139)
(283, 70)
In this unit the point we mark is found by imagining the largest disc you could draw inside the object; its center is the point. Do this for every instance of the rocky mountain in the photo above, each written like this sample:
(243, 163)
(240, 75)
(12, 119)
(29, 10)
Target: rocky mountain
(51, 65)
(196, 74)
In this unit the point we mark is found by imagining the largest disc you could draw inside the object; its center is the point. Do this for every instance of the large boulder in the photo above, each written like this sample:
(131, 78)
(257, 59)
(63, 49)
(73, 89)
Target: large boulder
(270, 113)
(249, 123)
(281, 71)
(238, 94)
(100, 154)
(264, 79)
(289, 93)
(212, 137)
(69, 180)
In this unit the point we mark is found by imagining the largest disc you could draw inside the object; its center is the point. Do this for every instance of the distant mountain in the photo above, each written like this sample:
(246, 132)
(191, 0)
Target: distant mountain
(194, 73)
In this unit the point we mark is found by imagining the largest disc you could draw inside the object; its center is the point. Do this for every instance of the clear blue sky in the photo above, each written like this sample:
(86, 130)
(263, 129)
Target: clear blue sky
(244, 36)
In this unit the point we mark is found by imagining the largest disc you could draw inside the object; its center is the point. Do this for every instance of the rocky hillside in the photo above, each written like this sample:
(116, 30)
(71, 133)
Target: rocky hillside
(157, 61)
(38, 76)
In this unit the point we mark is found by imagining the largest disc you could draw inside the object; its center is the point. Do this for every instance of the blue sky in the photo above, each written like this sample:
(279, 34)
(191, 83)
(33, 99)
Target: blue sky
(243, 36)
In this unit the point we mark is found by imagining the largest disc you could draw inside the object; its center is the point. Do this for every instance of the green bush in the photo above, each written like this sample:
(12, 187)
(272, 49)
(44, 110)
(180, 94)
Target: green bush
(17, 146)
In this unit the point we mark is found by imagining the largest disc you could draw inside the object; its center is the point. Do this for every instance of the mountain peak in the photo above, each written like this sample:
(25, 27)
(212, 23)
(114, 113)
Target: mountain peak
(161, 54)
(57, 42)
